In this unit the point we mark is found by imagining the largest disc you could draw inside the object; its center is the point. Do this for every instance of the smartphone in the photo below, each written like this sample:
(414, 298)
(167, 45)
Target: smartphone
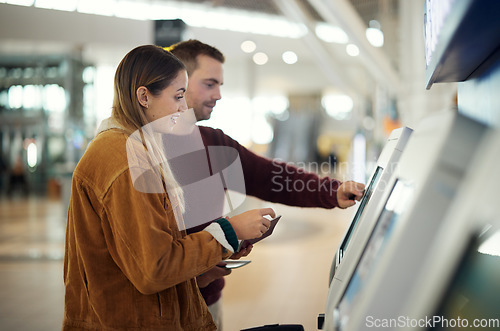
(233, 264)
(245, 243)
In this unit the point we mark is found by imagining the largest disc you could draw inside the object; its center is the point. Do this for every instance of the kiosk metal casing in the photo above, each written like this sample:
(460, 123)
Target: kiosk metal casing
(362, 224)
(433, 165)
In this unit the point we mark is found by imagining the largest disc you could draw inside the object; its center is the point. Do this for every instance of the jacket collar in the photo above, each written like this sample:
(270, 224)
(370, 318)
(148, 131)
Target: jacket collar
(108, 124)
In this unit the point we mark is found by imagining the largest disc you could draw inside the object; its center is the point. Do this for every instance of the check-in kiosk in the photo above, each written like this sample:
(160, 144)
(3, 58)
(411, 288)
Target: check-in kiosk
(460, 278)
(362, 223)
(385, 166)
(420, 191)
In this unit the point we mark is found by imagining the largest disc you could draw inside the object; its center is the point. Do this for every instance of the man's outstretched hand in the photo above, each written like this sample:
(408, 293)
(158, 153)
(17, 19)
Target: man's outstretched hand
(348, 193)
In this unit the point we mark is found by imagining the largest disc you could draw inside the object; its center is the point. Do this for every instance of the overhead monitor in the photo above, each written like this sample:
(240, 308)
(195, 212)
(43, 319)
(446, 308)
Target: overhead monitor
(435, 162)
(461, 39)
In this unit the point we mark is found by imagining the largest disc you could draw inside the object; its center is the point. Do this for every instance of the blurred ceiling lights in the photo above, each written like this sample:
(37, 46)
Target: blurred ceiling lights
(289, 57)
(19, 2)
(374, 34)
(330, 33)
(338, 106)
(352, 50)
(197, 15)
(193, 14)
(260, 58)
(248, 46)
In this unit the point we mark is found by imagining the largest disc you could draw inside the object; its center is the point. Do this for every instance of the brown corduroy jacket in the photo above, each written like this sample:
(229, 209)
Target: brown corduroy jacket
(127, 266)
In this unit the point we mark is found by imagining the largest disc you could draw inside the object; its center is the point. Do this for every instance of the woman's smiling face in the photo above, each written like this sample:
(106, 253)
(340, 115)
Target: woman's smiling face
(169, 101)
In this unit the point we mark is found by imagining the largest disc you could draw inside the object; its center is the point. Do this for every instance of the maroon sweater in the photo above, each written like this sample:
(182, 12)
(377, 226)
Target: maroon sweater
(272, 181)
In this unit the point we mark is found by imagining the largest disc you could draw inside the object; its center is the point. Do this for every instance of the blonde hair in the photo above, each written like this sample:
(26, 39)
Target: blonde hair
(154, 68)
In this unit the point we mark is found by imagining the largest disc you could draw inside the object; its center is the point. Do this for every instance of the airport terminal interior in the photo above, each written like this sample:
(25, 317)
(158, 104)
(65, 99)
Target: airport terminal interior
(399, 95)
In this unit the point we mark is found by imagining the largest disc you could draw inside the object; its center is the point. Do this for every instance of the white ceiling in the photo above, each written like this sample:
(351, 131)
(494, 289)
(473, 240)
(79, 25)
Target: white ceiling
(104, 40)
(373, 79)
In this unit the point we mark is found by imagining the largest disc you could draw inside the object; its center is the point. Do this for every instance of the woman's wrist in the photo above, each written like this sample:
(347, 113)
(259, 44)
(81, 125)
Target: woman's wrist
(229, 233)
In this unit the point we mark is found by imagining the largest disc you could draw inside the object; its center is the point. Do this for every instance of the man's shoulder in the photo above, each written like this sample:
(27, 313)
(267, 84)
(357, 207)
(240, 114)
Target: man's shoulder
(210, 130)
(212, 136)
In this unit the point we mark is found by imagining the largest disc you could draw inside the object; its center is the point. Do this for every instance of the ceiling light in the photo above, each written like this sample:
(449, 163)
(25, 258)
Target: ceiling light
(375, 37)
(31, 155)
(248, 46)
(374, 24)
(274, 104)
(331, 33)
(192, 14)
(133, 10)
(352, 50)
(338, 106)
(240, 21)
(97, 7)
(262, 131)
(260, 58)
(66, 5)
(374, 34)
(21, 2)
(289, 57)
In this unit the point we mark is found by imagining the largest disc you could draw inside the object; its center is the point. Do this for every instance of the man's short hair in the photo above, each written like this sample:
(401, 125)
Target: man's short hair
(187, 51)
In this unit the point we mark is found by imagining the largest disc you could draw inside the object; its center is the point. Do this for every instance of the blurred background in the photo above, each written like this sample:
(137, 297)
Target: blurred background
(317, 83)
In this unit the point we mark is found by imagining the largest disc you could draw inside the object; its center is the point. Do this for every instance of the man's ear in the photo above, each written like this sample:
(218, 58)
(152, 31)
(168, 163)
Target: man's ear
(142, 96)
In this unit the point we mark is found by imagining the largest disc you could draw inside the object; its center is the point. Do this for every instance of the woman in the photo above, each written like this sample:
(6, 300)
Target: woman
(127, 265)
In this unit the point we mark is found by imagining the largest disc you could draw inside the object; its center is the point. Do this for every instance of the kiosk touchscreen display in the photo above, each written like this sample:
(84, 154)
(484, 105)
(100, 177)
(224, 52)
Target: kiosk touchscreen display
(395, 206)
(473, 297)
(366, 197)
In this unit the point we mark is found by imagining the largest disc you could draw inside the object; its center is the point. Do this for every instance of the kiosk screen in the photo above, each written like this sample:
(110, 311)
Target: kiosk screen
(473, 297)
(366, 197)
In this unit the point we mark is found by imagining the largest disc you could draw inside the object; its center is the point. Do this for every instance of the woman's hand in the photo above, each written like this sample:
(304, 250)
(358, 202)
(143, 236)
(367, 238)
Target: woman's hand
(242, 253)
(251, 224)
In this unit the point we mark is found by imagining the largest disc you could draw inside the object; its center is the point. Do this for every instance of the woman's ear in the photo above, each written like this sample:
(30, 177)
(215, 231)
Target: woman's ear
(142, 96)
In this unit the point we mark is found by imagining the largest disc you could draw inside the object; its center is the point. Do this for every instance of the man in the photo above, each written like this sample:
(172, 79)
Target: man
(266, 179)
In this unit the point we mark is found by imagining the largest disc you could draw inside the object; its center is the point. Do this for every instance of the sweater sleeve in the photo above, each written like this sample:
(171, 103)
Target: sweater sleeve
(143, 239)
(276, 181)
(224, 233)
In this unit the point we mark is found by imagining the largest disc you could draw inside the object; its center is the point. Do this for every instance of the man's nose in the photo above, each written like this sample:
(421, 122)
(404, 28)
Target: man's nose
(217, 95)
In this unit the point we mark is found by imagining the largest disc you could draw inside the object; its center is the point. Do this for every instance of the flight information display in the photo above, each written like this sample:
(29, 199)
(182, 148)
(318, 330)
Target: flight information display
(436, 13)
